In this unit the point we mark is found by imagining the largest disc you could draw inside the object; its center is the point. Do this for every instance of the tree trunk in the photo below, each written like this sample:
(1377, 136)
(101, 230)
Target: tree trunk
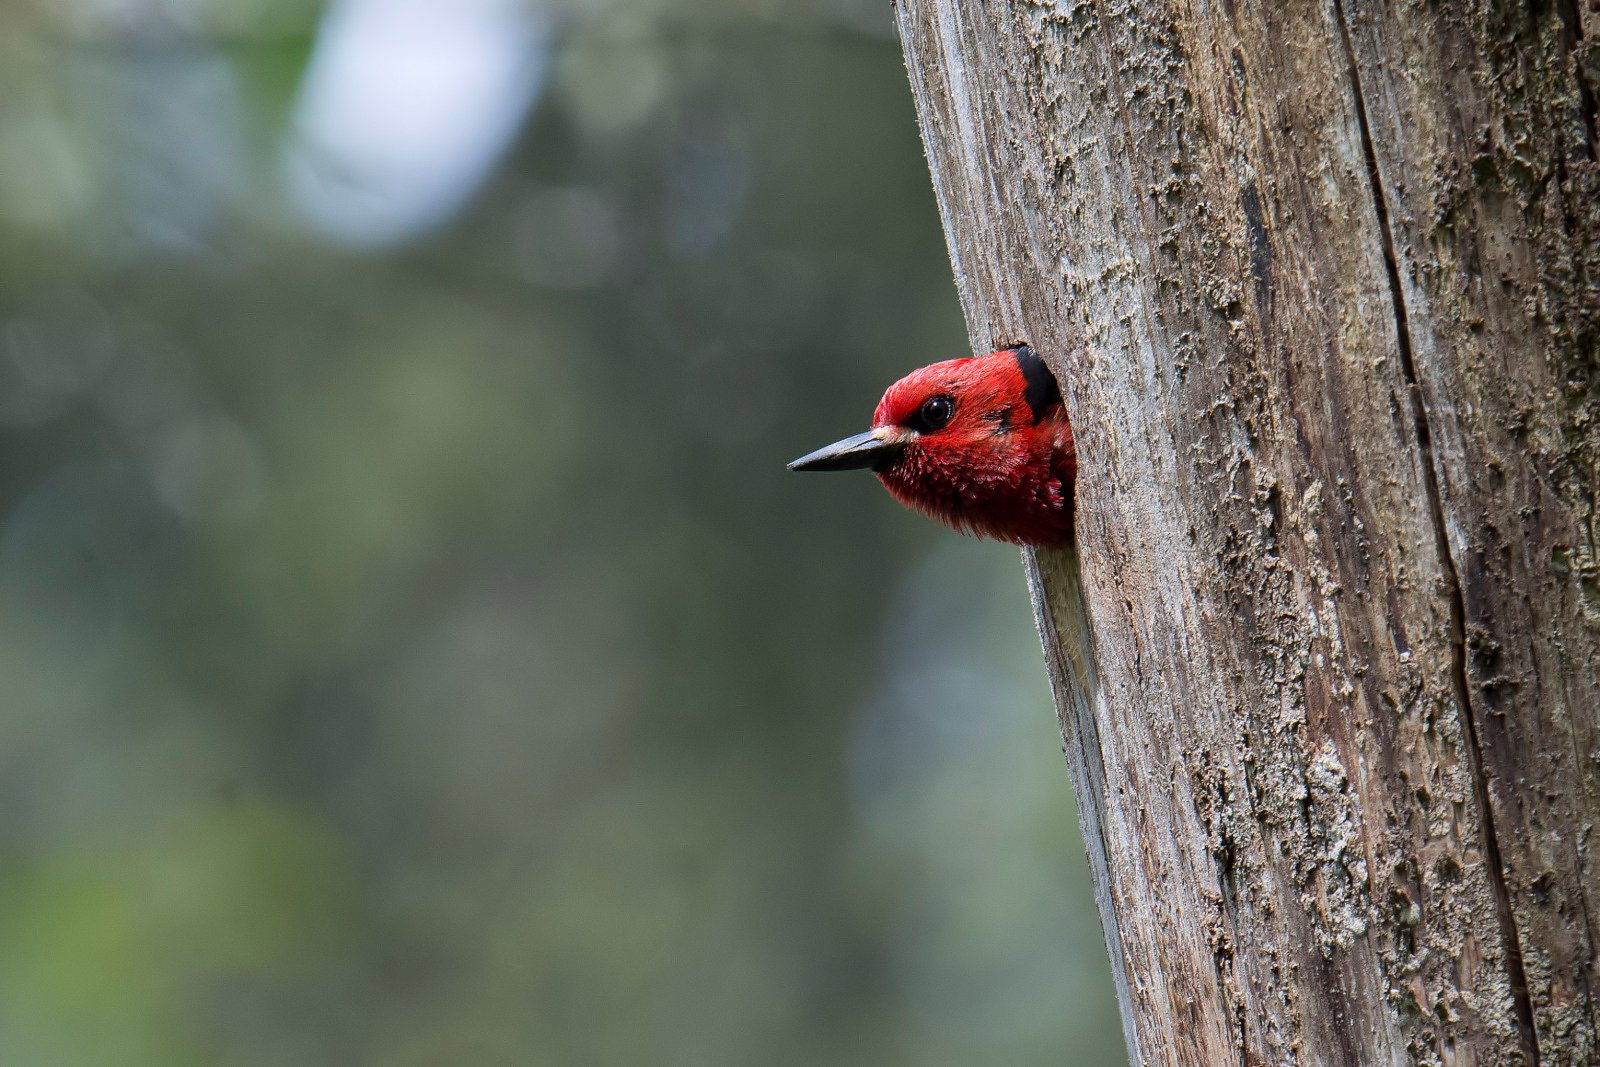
(1319, 281)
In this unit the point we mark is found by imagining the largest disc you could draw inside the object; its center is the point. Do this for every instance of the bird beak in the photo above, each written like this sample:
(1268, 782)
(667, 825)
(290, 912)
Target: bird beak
(876, 448)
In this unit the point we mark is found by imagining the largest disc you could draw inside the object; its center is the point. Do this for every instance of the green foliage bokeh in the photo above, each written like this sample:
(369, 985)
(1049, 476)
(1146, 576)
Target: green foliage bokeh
(416, 653)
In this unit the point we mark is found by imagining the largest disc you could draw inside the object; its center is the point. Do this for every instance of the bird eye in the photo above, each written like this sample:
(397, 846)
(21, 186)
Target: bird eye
(935, 412)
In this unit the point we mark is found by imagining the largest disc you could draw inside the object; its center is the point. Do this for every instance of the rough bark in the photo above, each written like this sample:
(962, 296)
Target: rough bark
(1319, 280)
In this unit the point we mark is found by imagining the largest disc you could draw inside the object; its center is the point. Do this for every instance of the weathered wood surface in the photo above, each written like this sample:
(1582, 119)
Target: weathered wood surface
(1320, 282)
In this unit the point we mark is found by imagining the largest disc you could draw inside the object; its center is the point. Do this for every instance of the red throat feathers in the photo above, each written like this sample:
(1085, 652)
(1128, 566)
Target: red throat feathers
(980, 443)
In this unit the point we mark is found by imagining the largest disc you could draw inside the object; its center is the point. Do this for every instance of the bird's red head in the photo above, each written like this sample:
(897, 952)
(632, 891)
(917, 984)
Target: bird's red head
(981, 443)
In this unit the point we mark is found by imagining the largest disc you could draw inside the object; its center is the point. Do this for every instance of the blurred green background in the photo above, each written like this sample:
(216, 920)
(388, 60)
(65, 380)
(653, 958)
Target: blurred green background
(412, 648)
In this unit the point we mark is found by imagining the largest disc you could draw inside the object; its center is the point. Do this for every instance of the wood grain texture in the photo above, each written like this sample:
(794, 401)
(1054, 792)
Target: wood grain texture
(1321, 282)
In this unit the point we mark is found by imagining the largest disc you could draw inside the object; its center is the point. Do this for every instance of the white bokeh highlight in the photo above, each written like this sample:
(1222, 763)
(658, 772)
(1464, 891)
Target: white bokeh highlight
(405, 109)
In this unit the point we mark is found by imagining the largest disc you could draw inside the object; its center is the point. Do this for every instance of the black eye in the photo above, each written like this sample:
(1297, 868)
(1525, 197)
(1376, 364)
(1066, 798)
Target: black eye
(935, 412)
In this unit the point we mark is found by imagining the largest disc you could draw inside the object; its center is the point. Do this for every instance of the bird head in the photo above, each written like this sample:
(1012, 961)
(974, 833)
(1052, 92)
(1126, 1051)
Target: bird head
(981, 443)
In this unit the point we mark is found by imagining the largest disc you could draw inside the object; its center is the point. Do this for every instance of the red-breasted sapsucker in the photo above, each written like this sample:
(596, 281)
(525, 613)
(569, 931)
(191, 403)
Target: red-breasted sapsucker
(981, 443)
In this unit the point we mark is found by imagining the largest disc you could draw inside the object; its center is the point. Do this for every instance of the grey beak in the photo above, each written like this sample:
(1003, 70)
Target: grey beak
(871, 449)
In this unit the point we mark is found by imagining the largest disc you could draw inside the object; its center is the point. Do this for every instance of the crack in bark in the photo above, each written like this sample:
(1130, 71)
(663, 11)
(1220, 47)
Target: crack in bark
(1572, 20)
(1516, 972)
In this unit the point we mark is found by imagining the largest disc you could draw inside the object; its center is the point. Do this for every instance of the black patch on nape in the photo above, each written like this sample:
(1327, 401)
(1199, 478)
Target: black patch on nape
(1042, 392)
